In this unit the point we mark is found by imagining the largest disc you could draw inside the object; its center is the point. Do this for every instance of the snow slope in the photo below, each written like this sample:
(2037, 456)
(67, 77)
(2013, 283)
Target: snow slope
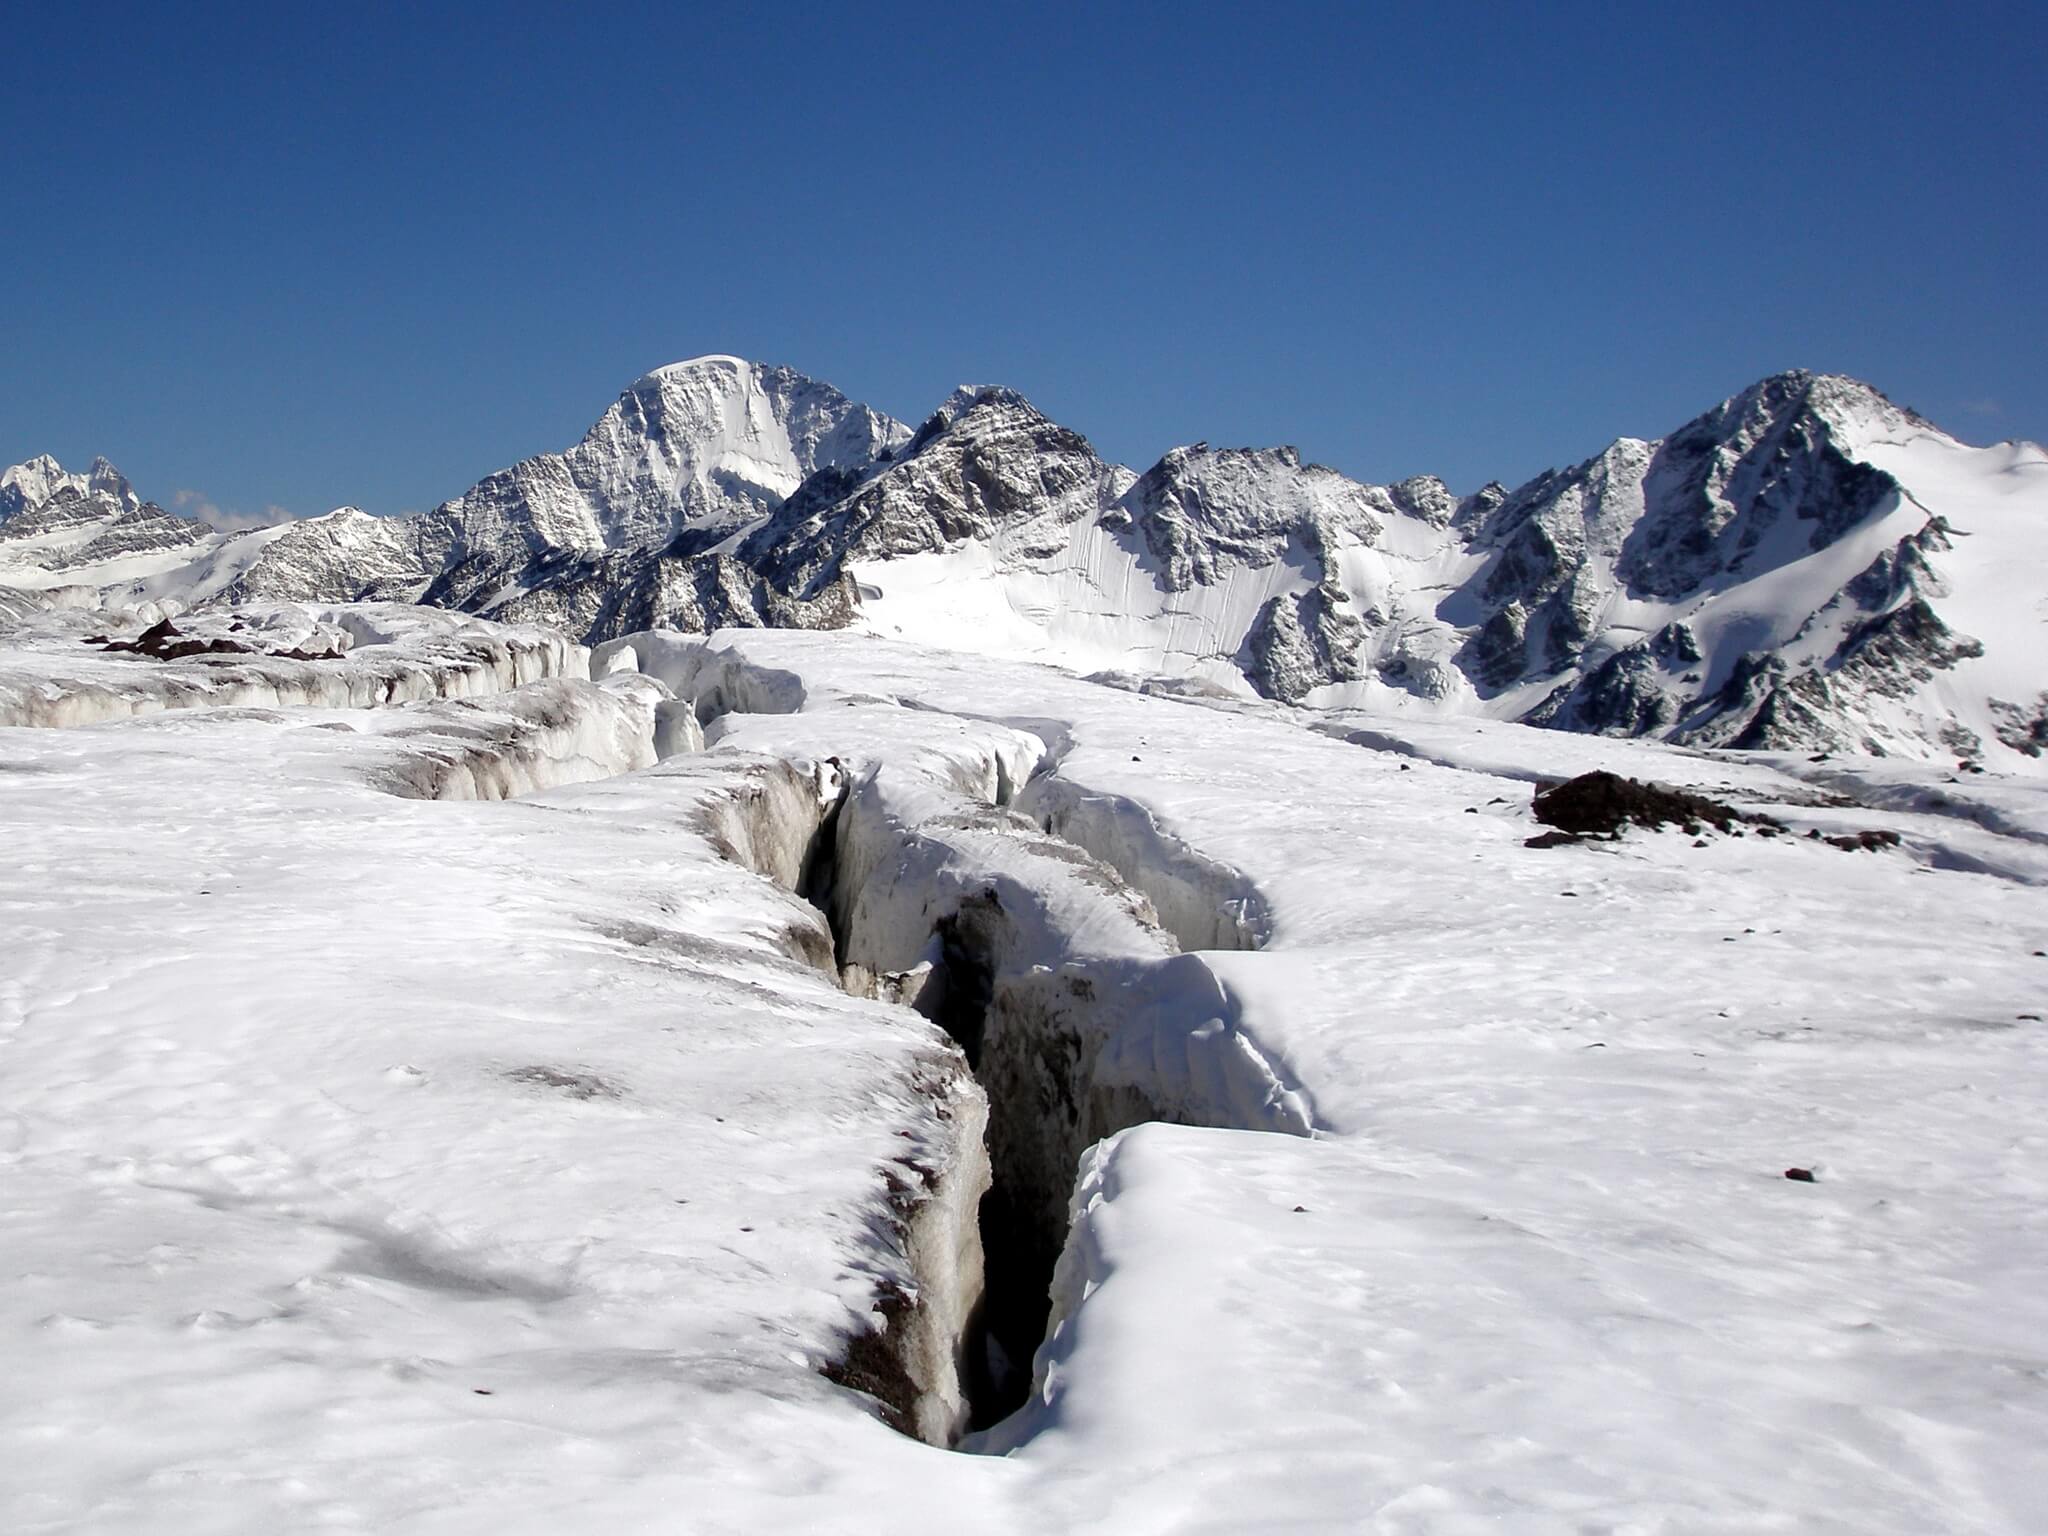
(387, 1162)
(382, 1162)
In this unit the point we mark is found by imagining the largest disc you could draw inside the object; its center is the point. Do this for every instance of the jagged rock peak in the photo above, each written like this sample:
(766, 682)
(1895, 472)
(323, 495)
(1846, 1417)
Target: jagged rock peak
(697, 448)
(991, 409)
(1836, 396)
(986, 460)
(982, 419)
(38, 480)
(1426, 497)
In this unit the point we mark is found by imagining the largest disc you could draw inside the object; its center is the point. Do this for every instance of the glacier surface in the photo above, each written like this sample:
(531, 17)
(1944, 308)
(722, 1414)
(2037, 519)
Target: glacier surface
(492, 1101)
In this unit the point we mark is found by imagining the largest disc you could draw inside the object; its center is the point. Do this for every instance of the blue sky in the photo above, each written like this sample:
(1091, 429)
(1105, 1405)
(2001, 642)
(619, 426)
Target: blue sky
(303, 256)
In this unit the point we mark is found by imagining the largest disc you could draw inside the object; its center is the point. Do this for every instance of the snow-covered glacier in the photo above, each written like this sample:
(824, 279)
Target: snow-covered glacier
(462, 1081)
(773, 970)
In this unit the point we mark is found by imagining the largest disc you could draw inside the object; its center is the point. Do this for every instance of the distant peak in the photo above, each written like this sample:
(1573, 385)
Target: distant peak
(42, 477)
(1850, 408)
(968, 396)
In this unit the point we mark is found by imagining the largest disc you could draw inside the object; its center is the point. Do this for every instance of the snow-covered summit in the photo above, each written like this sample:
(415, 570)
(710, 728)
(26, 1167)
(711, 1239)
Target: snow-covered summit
(692, 450)
(63, 529)
(710, 362)
(42, 478)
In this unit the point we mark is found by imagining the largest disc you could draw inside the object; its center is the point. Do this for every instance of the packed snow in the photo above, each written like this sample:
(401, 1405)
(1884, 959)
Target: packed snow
(56, 667)
(409, 1165)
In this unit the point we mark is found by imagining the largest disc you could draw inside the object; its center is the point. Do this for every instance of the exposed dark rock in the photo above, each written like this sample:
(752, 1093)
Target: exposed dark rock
(575, 1085)
(1301, 642)
(1866, 841)
(872, 1362)
(164, 641)
(2024, 728)
(1600, 803)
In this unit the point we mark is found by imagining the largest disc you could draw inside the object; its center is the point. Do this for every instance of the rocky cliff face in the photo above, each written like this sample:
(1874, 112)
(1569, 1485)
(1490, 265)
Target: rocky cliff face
(986, 467)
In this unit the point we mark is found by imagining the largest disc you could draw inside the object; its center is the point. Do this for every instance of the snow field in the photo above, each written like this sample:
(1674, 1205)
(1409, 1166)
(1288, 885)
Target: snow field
(428, 1166)
(50, 676)
(424, 1166)
(1548, 1273)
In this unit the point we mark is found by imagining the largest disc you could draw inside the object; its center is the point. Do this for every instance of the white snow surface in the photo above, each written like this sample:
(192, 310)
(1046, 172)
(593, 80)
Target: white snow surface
(1548, 1273)
(53, 673)
(382, 1163)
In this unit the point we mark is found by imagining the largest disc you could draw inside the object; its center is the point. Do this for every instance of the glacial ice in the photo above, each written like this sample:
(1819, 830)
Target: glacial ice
(51, 674)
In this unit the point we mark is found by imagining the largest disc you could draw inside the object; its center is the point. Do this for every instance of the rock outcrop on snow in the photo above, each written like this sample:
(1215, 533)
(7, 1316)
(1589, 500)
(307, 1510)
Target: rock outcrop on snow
(1805, 565)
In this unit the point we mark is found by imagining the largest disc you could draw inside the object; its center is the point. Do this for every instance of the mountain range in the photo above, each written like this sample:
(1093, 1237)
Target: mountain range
(1804, 566)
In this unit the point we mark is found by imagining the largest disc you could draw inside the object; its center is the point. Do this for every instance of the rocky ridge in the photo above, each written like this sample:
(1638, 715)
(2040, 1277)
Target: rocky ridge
(1789, 569)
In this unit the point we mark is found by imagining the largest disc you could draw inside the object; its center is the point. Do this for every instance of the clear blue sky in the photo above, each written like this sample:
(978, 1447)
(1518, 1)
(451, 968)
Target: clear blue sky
(304, 255)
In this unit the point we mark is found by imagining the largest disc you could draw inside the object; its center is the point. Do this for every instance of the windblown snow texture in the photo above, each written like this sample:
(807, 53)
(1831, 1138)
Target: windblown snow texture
(382, 1159)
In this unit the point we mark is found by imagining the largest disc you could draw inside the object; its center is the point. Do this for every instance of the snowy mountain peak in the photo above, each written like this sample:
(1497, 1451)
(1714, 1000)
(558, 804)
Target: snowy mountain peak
(709, 363)
(759, 418)
(42, 478)
(1803, 564)
(693, 452)
(1853, 412)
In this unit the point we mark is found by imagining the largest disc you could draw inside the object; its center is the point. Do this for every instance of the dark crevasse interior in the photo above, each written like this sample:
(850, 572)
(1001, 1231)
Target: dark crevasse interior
(1030, 1034)
(1006, 1326)
(1005, 1330)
